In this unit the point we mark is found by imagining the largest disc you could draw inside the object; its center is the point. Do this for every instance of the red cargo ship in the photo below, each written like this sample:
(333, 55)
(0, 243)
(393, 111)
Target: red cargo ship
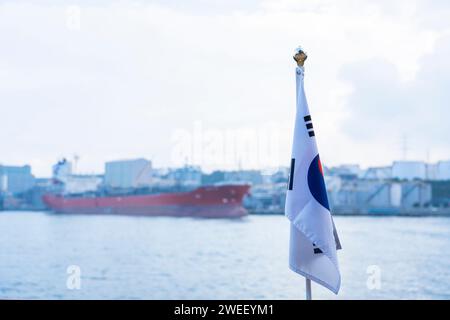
(210, 202)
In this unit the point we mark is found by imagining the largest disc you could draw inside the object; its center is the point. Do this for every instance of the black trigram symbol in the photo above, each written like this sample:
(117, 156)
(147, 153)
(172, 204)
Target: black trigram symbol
(316, 250)
(309, 125)
(291, 175)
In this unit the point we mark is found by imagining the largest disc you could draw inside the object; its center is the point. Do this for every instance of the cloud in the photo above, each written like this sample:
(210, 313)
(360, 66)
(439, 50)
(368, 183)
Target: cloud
(382, 107)
(137, 71)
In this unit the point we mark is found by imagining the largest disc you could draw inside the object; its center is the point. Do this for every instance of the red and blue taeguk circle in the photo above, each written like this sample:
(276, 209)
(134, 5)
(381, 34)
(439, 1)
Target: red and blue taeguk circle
(316, 182)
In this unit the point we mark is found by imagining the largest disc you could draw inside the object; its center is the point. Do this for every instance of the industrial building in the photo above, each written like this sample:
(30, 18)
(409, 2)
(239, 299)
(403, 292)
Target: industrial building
(404, 188)
(16, 179)
(443, 170)
(409, 170)
(126, 174)
(361, 196)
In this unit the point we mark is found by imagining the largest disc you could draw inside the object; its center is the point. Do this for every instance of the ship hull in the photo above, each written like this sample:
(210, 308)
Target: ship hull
(208, 211)
(206, 202)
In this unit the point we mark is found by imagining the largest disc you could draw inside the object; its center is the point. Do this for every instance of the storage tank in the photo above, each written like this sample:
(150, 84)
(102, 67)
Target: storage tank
(409, 170)
(396, 194)
(443, 170)
(128, 173)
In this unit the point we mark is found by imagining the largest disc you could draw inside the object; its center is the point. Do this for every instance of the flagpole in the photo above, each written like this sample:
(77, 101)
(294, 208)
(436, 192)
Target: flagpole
(308, 289)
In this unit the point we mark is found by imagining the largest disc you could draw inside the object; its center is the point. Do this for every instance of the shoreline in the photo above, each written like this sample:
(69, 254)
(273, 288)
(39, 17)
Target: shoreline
(412, 214)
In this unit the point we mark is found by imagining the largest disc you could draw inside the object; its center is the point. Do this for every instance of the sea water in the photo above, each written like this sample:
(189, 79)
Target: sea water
(51, 256)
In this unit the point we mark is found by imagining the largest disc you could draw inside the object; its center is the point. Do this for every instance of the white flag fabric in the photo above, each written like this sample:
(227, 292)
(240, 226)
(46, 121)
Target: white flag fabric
(313, 239)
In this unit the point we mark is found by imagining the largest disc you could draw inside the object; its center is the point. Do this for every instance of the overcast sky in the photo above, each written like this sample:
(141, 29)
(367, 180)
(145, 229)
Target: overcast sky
(212, 82)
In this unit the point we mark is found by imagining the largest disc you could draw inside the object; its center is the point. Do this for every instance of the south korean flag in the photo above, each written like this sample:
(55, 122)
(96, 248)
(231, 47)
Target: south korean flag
(313, 240)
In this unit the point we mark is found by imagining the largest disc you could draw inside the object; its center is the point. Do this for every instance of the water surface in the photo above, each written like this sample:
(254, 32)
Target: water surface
(124, 257)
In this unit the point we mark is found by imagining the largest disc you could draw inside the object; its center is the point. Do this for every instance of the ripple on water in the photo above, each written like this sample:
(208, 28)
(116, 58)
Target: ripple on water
(170, 258)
